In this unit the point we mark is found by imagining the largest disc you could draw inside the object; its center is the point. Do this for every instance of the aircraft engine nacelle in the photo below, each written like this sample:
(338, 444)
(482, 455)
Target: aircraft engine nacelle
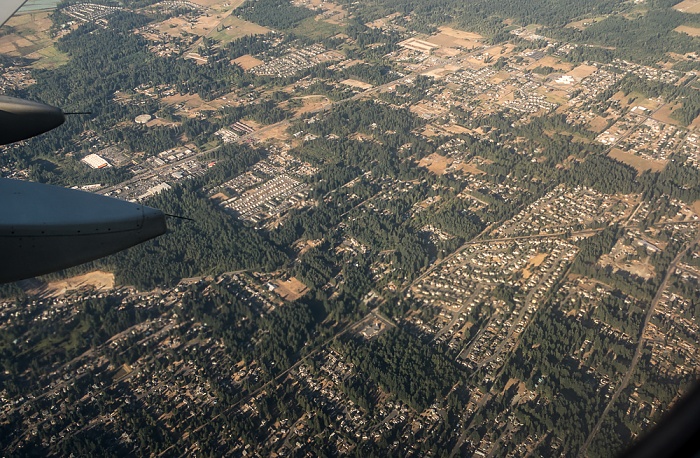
(45, 228)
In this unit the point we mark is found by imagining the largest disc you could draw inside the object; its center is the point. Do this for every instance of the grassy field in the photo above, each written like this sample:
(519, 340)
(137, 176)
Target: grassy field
(231, 28)
(48, 58)
(317, 30)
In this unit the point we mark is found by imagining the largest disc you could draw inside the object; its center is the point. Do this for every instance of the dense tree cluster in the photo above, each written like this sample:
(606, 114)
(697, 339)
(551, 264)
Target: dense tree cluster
(278, 14)
(405, 366)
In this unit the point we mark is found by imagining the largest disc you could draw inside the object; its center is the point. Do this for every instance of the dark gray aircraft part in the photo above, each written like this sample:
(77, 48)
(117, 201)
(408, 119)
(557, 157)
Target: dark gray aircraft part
(22, 119)
(46, 228)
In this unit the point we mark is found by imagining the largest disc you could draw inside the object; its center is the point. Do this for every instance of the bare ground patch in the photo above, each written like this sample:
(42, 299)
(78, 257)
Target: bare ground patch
(449, 41)
(247, 62)
(695, 125)
(161, 122)
(582, 71)
(357, 84)
(692, 31)
(275, 132)
(210, 3)
(469, 168)
(232, 27)
(688, 6)
(441, 72)
(550, 61)
(696, 207)
(312, 103)
(456, 129)
(435, 163)
(291, 289)
(460, 33)
(190, 101)
(219, 197)
(639, 163)
(598, 124)
(664, 115)
(99, 280)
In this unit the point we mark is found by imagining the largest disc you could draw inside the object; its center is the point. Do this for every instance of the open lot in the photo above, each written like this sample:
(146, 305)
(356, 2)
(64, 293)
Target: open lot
(427, 110)
(582, 71)
(583, 24)
(452, 38)
(48, 58)
(275, 133)
(99, 280)
(598, 124)
(316, 29)
(664, 115)
(247, 62)
(441, 72)
(436, 163)
(554, 96)
(357, 84)
(692, 31)
(231, 28)
(469, 168)
(696, 207)
(635, 99)
(688, 6)
(695, 125)
(291, 289)
(222, 27)
(31, 34)
(191, 104)
(311, 103)
(456, 129)
(639, 163)
(461, 34)
(213, 3)
(550, 61)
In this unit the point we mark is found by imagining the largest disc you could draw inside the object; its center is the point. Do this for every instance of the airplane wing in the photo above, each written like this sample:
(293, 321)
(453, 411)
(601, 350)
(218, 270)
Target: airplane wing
(45, 228)
(8, 8)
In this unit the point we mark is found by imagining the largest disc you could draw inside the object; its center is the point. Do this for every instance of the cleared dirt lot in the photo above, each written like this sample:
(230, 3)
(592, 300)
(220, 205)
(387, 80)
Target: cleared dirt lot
(688, 6)
(549, 61)
(230, 28)
(692, 31)
(639, 163)
(450, 41)
(598, 124)
(247, 62)
(664, 115)
(291, 289)
(99, 280)
(435, 163)
(357, 84)
(582, 71)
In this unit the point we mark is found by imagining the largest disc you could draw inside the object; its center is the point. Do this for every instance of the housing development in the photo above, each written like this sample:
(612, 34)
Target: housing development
(409, 234)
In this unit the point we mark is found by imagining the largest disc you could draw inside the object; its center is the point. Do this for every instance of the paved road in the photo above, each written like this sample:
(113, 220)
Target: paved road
(638, 352)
